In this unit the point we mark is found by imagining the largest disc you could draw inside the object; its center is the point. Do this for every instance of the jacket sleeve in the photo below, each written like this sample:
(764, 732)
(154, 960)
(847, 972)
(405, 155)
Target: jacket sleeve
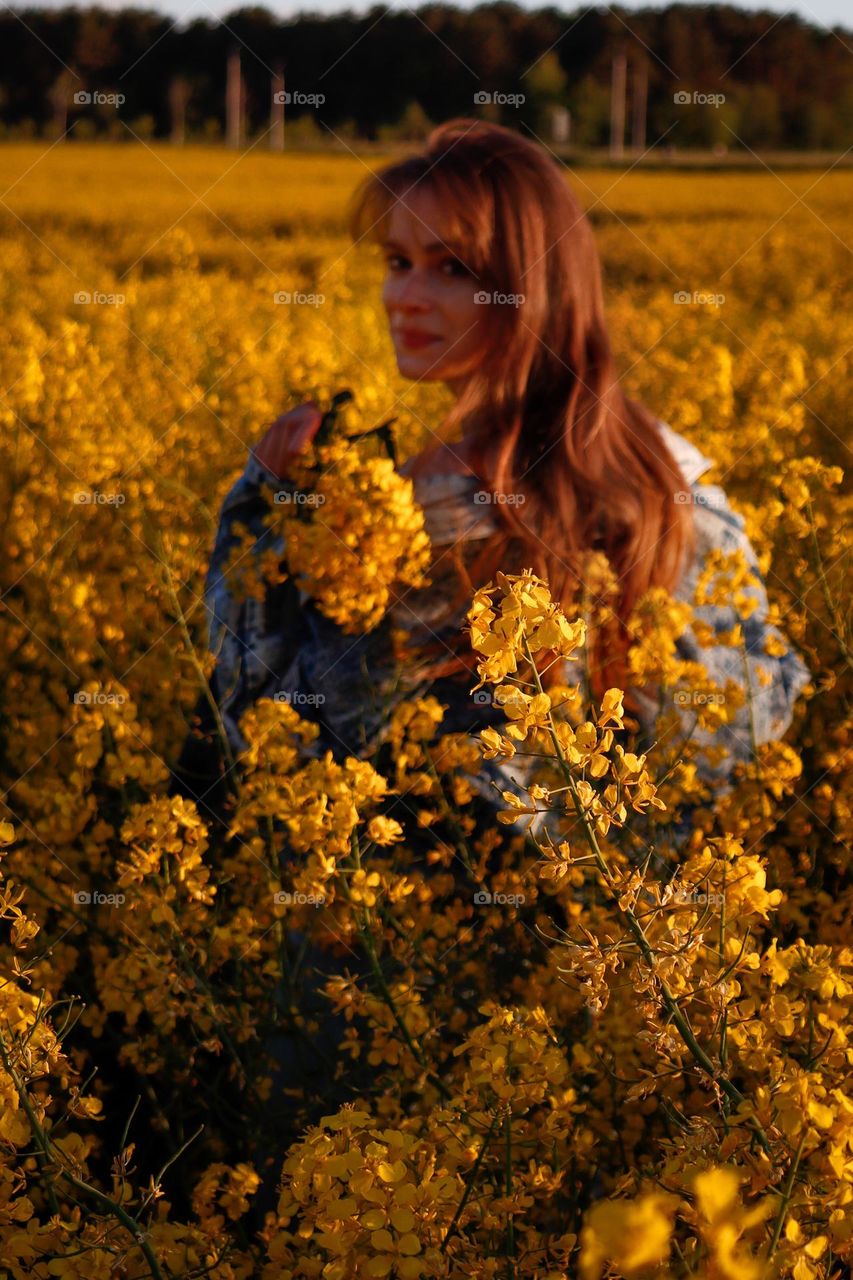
(771, 681)
(252, 639)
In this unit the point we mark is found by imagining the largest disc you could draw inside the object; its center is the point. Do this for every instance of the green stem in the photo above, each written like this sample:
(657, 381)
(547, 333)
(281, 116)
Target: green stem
(510, 1224)
(199, 670)
(362, 920)
(469, 1186)
(43, 1155)
(724, 1021)
(452, 820)
(48, 1156)
(786, 1195)
(836, 630)
(210, 998)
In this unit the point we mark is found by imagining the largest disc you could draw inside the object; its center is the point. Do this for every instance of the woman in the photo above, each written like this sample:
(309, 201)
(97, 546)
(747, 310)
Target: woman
(493, 286)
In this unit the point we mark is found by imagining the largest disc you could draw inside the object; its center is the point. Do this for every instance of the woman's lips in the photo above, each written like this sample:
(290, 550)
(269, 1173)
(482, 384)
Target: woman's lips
(415, 338)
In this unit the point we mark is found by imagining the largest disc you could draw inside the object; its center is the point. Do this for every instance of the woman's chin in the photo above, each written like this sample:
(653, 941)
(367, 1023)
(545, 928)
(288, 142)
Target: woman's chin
(418, 365)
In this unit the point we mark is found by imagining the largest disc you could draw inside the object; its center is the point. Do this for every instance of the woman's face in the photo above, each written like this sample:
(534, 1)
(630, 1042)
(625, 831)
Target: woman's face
(436, 326)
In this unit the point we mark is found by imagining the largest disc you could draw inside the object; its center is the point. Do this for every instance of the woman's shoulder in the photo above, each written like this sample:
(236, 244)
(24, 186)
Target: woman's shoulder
(716, 522)
(691, 460)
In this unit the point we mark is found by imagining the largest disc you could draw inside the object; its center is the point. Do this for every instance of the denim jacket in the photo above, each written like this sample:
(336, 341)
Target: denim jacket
(284, 647)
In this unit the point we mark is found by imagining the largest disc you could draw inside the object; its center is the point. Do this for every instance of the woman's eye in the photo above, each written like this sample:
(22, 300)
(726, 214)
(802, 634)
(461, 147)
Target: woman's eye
(456, 268)
(449, 266)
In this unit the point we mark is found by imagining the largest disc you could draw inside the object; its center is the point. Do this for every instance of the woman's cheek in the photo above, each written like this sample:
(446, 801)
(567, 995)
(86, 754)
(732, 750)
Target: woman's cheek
(472, 319)
(388, 292)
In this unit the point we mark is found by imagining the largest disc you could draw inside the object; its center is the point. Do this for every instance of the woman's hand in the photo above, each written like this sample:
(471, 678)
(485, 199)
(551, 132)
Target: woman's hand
(287, 437)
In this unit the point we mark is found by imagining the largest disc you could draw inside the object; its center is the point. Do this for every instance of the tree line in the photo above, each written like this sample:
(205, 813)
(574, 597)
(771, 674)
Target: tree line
(702, 76)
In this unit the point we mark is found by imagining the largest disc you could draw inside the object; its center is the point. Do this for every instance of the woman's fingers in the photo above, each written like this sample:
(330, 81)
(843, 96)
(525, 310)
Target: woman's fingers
(287, 437)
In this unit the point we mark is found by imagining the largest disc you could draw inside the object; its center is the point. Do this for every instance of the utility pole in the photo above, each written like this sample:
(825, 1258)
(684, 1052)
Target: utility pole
(60, 94)
(277, 109)
(179, 96)
(617, 106)
(234, 101)
(640, 98)
(561, 125)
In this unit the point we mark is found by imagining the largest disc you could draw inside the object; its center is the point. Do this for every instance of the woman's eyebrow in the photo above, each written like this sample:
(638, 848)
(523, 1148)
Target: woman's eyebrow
(429, 248)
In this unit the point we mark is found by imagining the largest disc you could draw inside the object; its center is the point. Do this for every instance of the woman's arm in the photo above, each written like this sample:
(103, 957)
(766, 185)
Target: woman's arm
(255, 641)
(199, 771)
(771, 681)
(246, 503)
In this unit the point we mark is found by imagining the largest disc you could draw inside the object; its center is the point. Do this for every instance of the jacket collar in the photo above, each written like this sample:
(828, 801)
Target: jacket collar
(692, 461)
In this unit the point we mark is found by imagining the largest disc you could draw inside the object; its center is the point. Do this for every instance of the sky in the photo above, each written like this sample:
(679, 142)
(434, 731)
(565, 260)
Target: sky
(822, 13)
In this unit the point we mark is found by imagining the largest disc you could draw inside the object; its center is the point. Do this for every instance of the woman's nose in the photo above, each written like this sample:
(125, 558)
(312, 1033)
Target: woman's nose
(412, 294)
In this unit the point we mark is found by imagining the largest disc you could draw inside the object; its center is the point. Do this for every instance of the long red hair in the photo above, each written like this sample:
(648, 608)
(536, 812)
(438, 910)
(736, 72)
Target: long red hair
(545, 409)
